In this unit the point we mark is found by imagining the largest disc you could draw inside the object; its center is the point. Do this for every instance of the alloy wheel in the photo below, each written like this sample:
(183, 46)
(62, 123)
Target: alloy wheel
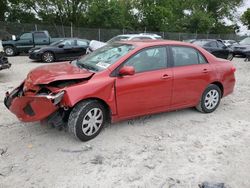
(48, 57)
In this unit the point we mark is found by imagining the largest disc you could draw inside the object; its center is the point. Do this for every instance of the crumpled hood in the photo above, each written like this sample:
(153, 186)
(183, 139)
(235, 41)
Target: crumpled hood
(55, 72)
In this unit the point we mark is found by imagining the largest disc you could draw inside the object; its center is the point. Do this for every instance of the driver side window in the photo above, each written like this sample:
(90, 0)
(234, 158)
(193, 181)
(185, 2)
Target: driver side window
(26, 36)
(70, 42)
(149, 59)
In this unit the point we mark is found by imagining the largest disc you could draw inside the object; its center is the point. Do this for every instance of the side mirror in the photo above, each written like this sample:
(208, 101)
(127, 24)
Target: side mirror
(127, 70)
(60, 45)
(13, 37)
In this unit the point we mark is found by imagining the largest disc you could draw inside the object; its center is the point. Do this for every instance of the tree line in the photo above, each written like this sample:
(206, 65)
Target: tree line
(193, 16)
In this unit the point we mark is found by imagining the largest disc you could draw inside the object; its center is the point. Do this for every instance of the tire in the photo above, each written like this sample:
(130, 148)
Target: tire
(210, 99)
(9, 51)
(48, 57)
(93, 114)
(230, 56)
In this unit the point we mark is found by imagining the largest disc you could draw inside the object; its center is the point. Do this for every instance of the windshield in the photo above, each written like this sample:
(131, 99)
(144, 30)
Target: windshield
(102, 58)
(245, 41)
(118, 38)
(56, 43)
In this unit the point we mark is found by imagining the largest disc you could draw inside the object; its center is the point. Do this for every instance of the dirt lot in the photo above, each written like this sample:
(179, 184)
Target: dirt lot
(176, 149)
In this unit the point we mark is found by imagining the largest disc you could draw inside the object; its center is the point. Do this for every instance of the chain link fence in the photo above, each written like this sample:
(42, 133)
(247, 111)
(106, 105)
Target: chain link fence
(8, 29)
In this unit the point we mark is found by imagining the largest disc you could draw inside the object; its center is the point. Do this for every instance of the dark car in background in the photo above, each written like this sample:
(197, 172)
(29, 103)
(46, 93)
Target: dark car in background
(4, 63)
(65, 49)
(26, 41)
(215, 47)
(243, 48)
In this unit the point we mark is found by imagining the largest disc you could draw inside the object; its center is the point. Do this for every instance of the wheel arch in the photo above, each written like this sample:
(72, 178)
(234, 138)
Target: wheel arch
(101, 101)
(220, 85)
(50, 52)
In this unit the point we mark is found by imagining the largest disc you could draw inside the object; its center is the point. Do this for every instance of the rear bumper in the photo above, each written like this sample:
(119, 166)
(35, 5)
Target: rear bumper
(29, 108)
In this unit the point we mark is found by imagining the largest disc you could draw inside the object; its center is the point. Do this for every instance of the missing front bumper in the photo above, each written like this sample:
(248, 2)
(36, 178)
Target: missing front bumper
(32, 108)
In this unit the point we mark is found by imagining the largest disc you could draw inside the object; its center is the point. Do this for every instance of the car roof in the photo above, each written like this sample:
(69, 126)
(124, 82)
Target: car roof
(148, 43)
(140, 35)
(208, 40)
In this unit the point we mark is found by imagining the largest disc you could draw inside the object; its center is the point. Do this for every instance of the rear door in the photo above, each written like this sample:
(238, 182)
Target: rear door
(150, 88)
(223, 50)
(192, 74)
(40, 39)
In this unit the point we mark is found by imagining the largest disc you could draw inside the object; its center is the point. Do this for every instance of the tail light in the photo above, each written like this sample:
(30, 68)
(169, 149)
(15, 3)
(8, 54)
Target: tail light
(233, 69)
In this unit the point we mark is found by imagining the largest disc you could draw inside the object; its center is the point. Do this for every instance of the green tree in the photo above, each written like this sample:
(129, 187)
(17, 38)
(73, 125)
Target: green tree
(245, 18)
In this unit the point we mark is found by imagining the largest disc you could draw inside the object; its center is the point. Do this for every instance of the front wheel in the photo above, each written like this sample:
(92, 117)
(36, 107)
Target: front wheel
(9, 51)
(87, 119)
(210, 99)
(48, 57)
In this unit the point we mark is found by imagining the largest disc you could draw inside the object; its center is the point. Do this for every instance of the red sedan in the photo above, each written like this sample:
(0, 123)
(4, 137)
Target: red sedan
(122, 81)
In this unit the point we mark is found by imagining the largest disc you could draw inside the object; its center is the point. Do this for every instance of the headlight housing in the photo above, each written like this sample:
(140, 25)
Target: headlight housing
(35, 51)
(55, 98)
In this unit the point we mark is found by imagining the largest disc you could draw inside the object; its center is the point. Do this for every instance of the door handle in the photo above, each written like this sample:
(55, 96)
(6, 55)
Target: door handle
(205, 71)
(166, 76)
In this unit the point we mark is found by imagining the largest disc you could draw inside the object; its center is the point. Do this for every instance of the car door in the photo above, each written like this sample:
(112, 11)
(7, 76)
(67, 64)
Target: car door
(66, 49)
(223, 50)
(150, 88)
(25, 42)
(81, 47)
(191, 75)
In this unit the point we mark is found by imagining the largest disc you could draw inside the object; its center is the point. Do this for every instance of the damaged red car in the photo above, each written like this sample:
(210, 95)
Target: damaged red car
(122, 81)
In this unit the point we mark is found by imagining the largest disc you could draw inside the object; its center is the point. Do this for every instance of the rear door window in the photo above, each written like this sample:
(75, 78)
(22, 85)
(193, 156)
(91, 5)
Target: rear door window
(183, 56)
(39, 35)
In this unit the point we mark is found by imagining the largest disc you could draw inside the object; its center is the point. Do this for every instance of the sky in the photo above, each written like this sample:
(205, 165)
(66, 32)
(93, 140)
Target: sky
(241, 10)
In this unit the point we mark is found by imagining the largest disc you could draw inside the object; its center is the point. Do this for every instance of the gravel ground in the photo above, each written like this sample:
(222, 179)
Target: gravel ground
(175, 149)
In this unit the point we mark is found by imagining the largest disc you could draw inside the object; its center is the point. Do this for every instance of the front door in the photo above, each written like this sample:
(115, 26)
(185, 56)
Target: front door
(25, 42)
(150, 88)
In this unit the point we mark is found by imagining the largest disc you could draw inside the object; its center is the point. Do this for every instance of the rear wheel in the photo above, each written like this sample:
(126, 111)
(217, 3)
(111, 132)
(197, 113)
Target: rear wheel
(87, 119)
(210, 99)
(9, 50)
(48, 57)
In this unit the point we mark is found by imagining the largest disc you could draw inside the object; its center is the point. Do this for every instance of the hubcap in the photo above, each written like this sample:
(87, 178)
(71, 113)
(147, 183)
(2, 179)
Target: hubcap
(211, 99)
(48, 57)
(9, 51)
(92, 121)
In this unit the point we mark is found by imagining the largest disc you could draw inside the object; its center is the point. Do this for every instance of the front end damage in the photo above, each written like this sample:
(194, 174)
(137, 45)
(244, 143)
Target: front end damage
(33, 104)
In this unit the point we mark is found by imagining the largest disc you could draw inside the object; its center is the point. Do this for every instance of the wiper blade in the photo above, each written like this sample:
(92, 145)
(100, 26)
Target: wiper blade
(88, 67)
